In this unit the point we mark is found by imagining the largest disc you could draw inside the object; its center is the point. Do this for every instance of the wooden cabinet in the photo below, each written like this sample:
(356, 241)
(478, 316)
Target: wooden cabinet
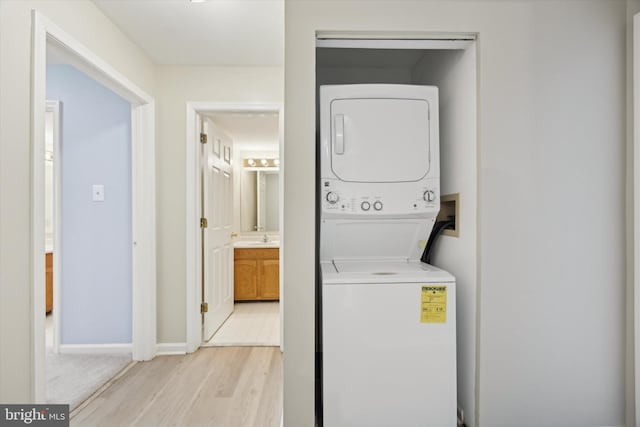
(256, 274)
(245, 278)
(48, 265)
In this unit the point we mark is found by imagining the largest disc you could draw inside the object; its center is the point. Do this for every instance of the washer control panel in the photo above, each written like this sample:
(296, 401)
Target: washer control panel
(332, 197)
(353, 199)
(429, 196)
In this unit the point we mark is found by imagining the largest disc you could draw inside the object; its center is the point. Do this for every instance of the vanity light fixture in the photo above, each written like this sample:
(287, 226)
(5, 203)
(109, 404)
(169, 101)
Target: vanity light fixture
(259, 163)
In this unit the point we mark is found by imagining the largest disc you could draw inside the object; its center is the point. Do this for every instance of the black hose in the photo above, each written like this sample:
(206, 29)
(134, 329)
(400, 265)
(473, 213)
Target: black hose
(437, 230)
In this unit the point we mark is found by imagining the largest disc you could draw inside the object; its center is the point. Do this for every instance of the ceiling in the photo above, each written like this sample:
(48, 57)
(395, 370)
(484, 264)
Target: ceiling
(250, 131)
(215, 32)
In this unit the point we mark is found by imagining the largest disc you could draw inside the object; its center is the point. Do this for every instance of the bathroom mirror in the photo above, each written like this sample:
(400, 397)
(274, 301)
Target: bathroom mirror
(259, 199)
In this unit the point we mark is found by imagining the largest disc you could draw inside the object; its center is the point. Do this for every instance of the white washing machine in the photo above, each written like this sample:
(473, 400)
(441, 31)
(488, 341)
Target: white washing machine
(389, 346)
(388, 320)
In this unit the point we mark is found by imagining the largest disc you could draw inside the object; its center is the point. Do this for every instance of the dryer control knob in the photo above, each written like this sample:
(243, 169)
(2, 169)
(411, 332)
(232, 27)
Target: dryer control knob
(365, 206)
(332, 197)
(377, 205)
(429, 196)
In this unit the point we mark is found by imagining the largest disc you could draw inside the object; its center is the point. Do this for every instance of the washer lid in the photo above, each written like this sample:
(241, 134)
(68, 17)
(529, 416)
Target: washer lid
(381, 267)
(380, 139)
(382, 271)
(367, 239)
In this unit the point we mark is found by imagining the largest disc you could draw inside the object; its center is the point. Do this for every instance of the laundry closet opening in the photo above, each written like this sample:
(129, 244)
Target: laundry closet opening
(451, 65)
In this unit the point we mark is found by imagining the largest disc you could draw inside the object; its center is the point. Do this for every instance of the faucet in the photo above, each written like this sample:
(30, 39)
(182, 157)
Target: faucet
(265, 238)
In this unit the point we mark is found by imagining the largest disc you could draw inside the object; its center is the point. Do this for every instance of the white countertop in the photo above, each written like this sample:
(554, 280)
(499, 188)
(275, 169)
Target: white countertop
(256, 244)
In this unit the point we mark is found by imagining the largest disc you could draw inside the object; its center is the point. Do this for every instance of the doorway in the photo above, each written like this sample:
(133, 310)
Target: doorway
(450, 64)
(241, 199)
(47, 37)
(219, 120)
(88, 243)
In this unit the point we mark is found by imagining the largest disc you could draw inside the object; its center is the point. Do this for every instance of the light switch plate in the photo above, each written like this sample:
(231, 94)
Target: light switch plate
(98, 193)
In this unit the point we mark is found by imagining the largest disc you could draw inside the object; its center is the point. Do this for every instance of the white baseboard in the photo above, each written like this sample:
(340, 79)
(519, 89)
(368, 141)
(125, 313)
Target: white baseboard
(94, 348)
(171, 348)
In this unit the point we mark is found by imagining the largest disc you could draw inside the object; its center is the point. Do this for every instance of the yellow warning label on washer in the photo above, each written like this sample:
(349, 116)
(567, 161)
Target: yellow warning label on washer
(433, 304)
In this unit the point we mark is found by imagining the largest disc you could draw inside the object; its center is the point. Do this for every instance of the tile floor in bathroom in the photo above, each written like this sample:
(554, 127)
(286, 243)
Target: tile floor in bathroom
(250, 324)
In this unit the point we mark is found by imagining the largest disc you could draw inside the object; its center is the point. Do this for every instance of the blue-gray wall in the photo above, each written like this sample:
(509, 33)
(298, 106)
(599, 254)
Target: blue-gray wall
(95, 236)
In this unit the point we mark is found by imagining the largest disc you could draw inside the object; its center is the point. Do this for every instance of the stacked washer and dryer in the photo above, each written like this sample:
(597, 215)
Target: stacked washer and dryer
(388, 320)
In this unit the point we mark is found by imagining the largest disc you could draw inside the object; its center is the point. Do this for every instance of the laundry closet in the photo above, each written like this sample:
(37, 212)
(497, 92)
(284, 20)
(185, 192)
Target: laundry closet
(448, 64)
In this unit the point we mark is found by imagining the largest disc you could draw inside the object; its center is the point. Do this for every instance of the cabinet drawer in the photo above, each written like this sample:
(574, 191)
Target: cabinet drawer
(261, 253)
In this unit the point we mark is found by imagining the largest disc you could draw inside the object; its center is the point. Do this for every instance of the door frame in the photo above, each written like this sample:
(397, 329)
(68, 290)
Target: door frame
(54, 107)
(634, 399)
(193, 208)
(44, 31)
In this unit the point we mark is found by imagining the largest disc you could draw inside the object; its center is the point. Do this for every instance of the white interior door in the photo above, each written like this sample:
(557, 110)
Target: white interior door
(217, 204)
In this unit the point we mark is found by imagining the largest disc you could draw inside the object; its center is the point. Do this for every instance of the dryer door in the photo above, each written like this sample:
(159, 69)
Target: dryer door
(380, 139)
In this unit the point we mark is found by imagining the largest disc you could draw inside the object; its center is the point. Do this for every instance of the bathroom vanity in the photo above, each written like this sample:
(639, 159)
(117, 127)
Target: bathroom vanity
(256, 273)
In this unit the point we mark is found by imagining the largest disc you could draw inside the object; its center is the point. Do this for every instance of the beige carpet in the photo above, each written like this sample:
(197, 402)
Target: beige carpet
(72, 378)
(250, 324)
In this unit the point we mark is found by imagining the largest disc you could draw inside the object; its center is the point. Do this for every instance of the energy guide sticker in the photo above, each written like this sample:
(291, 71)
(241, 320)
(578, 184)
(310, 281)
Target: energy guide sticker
(433, 304)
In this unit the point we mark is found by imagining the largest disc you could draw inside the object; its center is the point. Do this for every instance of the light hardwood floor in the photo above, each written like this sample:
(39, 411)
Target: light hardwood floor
(219, 387)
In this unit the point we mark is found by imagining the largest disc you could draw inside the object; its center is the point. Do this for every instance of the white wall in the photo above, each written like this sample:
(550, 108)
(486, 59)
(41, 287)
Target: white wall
(179, 85)
(551, 254)
(632, 376)
(454, 72)
(95, 148)
(84, 22)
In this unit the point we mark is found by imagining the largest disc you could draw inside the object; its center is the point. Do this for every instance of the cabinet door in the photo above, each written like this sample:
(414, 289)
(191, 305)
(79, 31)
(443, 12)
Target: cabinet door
(49, 281)
(245, 273)
(270, 279)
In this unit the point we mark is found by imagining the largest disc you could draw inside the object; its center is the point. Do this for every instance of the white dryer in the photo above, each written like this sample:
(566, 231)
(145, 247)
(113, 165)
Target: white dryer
(388, 321)
(379, 151)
